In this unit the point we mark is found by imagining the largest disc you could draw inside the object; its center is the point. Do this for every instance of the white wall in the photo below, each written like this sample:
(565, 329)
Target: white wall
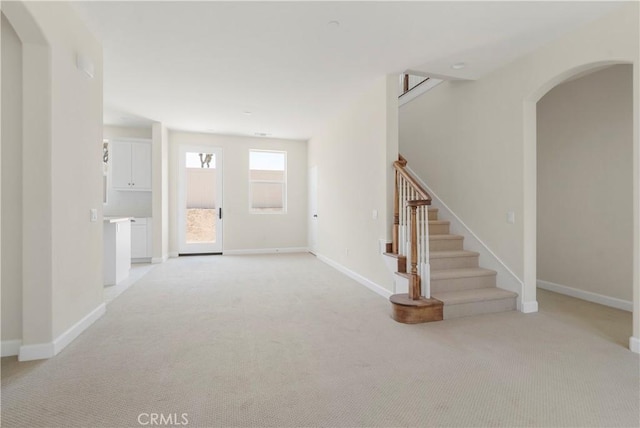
(585, 192)
(62, 176)
(243, 230)
(11, 183)
(122, 203)
(474, 142)
(160, 197)
(354, 156)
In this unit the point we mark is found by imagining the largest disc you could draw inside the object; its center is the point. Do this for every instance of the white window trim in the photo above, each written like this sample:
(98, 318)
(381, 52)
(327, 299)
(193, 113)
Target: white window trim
(283, 182)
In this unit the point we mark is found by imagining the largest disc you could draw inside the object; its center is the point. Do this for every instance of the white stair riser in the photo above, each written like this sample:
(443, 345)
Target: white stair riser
(438, 229)
(478, 308)
(454, 262)
(462, 283)
(401, 284)
(445, 244)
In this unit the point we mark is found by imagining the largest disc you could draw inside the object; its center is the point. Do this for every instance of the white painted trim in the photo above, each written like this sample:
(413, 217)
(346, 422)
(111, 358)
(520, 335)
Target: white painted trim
(74, 331)
(383, 245)
(266, 251)
(529, 307)
(506, 278)
(156, 260)
(376, 288)
(50, 349)
(40, 351)
(589, 296)
(634, 344)
(418, 90)
(174, 255)
(11, 347)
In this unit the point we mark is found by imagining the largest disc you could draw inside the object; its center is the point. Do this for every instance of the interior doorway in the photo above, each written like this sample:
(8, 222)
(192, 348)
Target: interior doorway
(200, 211)
(584, 169)
(313, 209)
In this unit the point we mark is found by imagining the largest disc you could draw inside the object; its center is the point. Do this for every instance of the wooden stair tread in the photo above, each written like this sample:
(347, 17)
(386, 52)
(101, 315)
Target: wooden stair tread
(439, 221)
(461, 273)
(394, 255)
(475, 295)
(452, 253)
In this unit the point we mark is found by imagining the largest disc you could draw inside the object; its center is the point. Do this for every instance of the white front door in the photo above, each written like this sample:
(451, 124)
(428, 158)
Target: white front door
(200, 210)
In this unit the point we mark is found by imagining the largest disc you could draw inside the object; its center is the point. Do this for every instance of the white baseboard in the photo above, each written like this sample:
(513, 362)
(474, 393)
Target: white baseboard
(11, 347)
(613, 302)
(529, 307)
(156, 260)
(174, 255)
(48, 350)
(266, 251)
(40, 351)
(506, 278)
(73, 332)
(634, 344)
(376, 288)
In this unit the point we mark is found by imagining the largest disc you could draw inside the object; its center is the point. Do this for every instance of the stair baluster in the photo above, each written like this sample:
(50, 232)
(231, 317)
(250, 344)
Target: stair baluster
(407, 242)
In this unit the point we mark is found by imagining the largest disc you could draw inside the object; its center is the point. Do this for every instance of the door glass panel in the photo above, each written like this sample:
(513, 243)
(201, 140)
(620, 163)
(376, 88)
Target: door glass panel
(201, 204)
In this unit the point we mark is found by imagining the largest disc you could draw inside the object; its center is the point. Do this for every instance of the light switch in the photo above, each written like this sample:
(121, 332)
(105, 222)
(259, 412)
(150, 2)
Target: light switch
(94, 214)
(374, 214)
(511, 217)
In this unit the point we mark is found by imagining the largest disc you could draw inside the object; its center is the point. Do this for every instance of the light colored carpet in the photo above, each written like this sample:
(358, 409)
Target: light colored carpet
(285, 340)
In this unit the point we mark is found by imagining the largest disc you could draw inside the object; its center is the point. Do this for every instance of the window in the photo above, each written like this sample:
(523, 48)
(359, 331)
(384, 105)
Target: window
(267, 181)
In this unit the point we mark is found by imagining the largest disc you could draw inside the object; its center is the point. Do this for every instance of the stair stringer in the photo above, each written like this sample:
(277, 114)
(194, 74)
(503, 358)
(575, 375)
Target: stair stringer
(505, 278)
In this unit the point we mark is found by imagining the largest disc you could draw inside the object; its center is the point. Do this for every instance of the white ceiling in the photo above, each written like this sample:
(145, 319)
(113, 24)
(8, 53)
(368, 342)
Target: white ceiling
(199, 66)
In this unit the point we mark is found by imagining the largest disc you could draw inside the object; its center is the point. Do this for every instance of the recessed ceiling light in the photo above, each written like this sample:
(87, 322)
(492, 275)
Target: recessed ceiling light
(262, 134)
(333, 24)
(458, 65)
(247, 113)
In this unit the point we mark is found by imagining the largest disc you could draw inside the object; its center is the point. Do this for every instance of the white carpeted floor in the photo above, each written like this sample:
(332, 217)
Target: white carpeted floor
(285, 340)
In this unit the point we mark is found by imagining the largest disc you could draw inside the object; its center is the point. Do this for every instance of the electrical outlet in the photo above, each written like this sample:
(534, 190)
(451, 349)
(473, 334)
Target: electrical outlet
(511, 217)
(93, 214)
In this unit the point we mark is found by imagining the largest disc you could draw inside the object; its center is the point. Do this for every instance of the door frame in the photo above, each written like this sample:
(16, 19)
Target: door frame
(313, 210)
(201, 248)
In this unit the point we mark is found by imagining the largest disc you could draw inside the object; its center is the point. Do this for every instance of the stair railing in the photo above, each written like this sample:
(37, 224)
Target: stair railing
(411, 229)
(409, 82)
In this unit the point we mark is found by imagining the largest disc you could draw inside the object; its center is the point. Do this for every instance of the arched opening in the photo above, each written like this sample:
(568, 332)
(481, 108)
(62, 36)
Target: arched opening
(568, 174)
(26, 135)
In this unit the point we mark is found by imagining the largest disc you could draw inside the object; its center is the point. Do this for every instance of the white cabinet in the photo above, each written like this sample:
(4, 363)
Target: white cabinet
(131, 165)
(141, 250)
(117, 249)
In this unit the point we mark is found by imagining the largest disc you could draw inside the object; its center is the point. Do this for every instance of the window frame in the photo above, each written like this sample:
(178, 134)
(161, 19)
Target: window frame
(253, 210)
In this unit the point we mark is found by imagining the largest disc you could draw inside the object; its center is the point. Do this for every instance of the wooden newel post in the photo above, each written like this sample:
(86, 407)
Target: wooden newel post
(414, 283)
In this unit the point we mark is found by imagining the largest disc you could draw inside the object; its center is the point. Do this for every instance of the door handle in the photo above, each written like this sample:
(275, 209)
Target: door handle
(220, 213)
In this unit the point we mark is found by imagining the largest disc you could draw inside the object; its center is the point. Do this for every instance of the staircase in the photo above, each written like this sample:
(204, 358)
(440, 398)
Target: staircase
(457, 281)
(444, 280)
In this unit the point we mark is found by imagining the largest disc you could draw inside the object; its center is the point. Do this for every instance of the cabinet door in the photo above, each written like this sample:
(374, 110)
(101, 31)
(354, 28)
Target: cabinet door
(141, 166)
(121, 165)
(139, 241)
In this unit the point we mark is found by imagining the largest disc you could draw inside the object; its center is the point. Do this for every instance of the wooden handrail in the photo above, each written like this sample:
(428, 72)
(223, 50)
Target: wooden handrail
(406, 86)
(400, 167)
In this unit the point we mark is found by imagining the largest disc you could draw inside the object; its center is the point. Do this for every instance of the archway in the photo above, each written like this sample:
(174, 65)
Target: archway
(530, 190)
